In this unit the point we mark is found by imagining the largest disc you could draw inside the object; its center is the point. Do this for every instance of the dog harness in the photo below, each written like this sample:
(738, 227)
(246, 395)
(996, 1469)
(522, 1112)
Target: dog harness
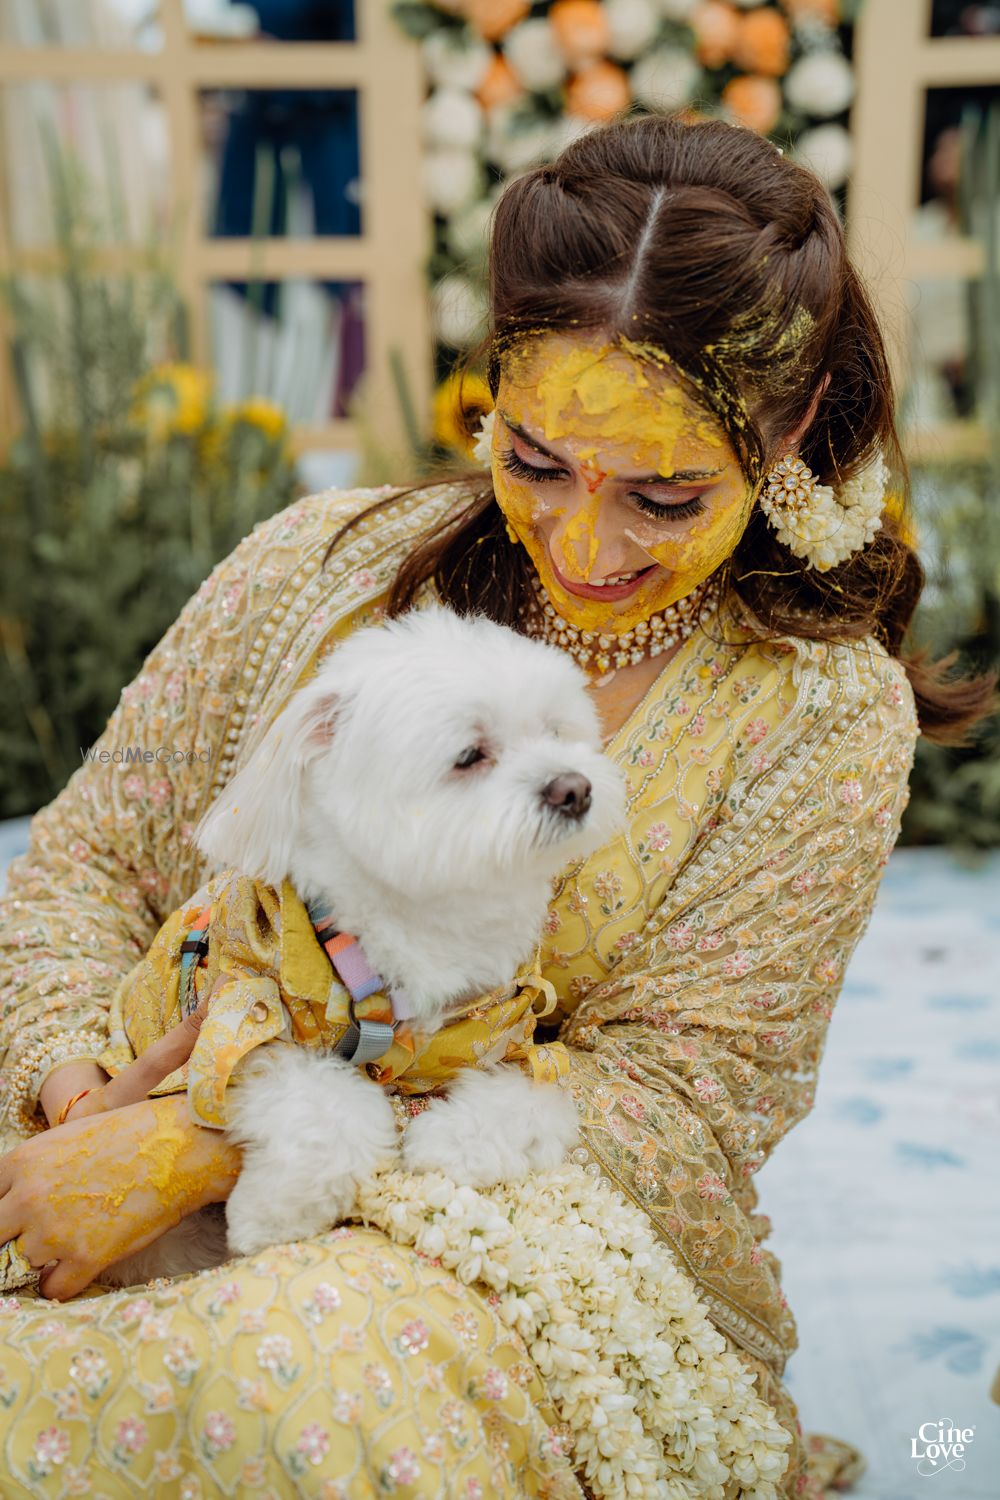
(366, 1039)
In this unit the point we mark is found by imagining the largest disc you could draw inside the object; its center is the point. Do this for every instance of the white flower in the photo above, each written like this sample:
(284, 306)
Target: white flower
(666, 78)
(677, 10)
(534, 55)
(451, 117)
(821, 84)
(632, 24)
(452, 178)
(458, 310)
(482, 450)
(826, 149)
(516, 139)
(455, 59)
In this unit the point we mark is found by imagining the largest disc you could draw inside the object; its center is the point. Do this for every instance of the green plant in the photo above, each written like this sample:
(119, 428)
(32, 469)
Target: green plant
(124, 486)
(955, 794)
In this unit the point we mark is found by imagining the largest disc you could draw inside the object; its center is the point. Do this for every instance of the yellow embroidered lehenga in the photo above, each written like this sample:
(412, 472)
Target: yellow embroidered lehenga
(697, 961)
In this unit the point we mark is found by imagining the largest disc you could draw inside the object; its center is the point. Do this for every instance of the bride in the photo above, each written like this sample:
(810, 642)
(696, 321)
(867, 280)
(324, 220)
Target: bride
(693, 484)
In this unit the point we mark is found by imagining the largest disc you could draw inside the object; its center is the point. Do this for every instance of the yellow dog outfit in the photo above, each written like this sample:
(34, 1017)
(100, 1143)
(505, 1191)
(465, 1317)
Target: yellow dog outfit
(276, 970)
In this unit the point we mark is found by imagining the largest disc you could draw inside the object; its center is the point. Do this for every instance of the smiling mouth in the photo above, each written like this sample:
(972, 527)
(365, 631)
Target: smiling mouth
(619, 586)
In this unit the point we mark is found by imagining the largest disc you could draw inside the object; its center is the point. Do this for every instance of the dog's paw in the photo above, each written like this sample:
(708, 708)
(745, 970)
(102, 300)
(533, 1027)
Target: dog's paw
(311, 1127)
(258, 1217)
(492, 1127)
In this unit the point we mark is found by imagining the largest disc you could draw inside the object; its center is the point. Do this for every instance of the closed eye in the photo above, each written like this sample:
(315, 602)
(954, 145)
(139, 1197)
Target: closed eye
(516, 465)
(469, 757)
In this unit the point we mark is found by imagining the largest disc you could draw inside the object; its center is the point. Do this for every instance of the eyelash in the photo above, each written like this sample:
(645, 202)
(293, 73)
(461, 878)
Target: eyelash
(516, 465)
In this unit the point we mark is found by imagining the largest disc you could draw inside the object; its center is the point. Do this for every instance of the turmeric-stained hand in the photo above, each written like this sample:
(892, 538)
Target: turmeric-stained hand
(91, 1191)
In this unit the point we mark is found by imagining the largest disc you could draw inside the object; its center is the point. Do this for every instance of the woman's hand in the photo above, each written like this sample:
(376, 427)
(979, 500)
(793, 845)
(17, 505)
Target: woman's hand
(86, 1193)
(131, 1084)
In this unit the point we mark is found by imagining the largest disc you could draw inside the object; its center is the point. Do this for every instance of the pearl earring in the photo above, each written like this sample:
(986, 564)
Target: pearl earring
(820, 523)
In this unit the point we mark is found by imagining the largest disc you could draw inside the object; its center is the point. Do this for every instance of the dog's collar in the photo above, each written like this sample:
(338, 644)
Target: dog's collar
(366, 1038)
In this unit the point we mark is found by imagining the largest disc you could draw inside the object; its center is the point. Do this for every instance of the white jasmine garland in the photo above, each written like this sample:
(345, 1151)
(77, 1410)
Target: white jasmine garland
(659, 1408)
(831, 524)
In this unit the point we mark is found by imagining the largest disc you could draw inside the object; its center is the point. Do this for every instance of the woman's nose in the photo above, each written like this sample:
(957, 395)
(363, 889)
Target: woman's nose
(587, 541)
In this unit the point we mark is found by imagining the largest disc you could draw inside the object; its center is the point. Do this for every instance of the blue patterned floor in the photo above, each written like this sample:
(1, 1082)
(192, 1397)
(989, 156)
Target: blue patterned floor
(886, 1200)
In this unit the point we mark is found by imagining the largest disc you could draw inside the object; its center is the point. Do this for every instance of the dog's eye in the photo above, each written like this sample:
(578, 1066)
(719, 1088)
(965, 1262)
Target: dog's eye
(469, 757)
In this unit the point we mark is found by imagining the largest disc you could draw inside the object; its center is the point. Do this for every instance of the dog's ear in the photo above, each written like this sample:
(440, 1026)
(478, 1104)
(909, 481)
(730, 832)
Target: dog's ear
(255, 822)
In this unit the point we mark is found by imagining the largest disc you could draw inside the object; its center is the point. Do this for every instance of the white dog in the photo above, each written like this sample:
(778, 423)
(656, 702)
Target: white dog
(425, 786)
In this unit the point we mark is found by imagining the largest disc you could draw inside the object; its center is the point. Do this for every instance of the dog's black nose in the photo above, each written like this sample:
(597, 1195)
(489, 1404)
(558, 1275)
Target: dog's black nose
(569, 794)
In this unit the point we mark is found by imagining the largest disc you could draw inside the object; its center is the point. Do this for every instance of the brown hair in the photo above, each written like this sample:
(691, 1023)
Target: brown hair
(702, 240)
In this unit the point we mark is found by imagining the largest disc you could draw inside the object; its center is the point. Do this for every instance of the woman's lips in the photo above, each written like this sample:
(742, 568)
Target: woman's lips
(609, 591)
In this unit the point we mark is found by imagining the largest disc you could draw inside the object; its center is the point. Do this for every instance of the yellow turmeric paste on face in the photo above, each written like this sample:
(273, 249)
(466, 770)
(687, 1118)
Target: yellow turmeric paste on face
(606, 415)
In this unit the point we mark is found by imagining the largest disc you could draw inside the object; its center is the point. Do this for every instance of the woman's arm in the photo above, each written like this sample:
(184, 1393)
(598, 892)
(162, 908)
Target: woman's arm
(109, 857)
(98, 1188)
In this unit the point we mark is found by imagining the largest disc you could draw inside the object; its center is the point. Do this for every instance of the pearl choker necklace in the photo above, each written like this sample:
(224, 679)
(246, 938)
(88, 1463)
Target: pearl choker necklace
(606, 653)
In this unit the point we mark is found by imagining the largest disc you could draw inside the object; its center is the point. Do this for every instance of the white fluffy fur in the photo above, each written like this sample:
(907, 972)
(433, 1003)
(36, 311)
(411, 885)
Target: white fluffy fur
(443, 873)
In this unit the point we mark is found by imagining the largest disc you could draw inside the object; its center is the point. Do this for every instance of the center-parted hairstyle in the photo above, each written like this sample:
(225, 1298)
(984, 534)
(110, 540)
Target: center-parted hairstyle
(705, 242)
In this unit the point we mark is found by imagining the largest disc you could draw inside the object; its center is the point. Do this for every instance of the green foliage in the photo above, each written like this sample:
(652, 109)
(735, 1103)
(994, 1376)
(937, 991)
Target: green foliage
(955, 794)
(124, 487)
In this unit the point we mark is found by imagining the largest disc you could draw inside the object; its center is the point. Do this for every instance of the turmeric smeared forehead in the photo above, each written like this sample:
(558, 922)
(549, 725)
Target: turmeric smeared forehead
(591, 387)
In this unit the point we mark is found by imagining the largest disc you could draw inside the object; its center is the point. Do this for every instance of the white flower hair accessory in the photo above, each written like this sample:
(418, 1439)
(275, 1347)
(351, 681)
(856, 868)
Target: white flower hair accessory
(483, 447)
(823, 524)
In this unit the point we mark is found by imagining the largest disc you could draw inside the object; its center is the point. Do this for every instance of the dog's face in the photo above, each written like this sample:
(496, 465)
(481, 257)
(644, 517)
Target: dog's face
(444, 753)
(460, 753)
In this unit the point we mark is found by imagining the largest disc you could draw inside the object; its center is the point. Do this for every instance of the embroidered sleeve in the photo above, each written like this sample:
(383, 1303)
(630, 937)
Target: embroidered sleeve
(108, 858)
(699, 1051)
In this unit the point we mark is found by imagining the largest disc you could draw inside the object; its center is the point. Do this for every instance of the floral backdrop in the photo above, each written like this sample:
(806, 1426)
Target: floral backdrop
(511, 82)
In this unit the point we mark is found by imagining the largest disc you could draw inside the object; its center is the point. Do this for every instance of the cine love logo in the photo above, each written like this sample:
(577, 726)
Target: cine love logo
(942, 1447)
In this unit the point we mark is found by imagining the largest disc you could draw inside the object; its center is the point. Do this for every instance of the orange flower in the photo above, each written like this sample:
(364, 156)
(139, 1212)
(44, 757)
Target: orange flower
(581, 29)
(823, 10)
(762, 45)
(753, 101)
(716, 28)
(492, 18)
(598, 92)
(500, 84)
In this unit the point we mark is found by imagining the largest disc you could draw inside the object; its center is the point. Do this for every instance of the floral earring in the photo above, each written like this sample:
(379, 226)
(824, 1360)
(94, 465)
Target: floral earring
(819, 522)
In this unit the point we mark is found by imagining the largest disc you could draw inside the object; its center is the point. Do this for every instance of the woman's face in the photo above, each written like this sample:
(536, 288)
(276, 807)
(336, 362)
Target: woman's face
(604, 465)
